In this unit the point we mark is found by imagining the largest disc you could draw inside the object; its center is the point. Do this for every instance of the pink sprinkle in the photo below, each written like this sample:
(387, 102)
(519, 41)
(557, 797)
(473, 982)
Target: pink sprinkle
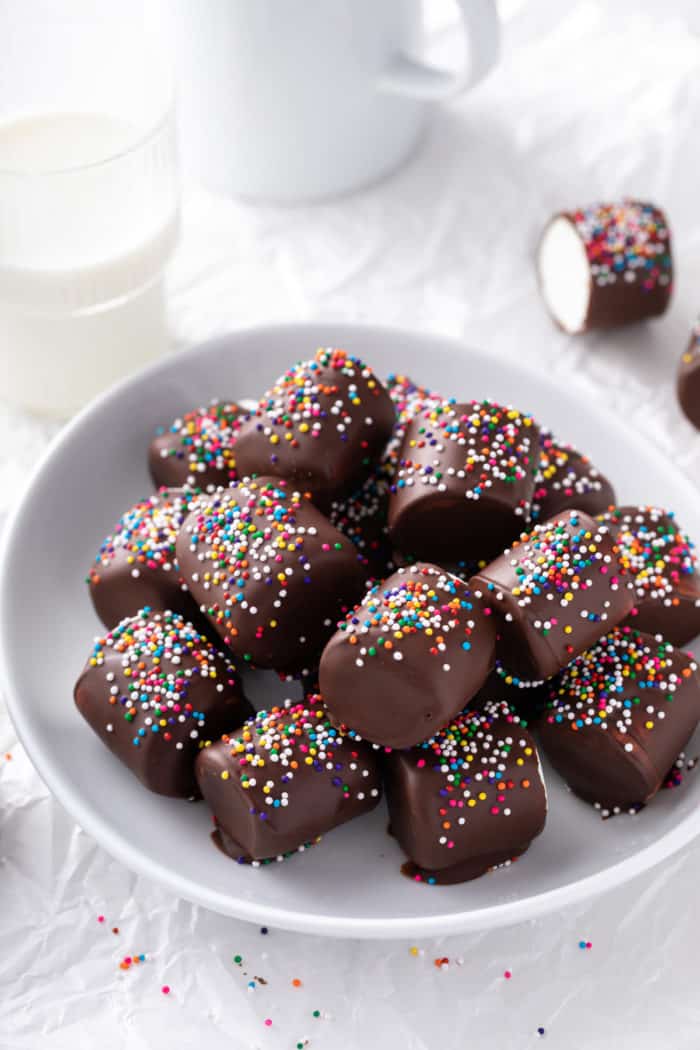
(420, 763)
(268, 1021)
(100, 918)
(507, 974)
(165, 989)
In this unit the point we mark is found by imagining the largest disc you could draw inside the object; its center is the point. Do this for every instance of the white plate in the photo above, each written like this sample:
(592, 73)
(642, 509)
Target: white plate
(350, 885)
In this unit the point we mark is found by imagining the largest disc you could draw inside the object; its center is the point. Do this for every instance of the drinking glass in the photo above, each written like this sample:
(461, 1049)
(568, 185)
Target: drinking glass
(89, 199)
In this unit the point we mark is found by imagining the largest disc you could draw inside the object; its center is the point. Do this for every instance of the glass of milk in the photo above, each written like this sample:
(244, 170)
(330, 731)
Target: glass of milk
(88, 199)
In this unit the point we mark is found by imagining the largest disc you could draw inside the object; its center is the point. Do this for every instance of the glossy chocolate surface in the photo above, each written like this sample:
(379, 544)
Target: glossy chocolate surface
(469, 799)
(662, 565)
(556, 591)
(136, 564)
(197, 449)
(618, 717)
(155, 691)
(270, 572)
(567, 480)
(464, 483)
(408, 658)
(284, 780)
(322, 426)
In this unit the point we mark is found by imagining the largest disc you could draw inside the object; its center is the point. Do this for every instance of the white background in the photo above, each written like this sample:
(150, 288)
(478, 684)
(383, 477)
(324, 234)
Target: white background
(592, 100)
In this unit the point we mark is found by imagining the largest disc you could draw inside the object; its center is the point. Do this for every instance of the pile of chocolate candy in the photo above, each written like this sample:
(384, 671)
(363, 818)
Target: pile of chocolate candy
(445, 578)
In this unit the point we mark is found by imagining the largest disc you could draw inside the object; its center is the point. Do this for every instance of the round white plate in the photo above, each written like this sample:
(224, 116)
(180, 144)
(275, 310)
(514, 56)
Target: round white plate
(350, 885)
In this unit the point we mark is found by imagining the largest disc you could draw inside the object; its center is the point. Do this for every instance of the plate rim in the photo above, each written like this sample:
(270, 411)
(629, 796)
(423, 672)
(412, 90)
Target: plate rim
(119, 846)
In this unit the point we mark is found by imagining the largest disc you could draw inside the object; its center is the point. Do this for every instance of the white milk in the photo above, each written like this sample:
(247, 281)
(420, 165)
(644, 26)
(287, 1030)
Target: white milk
(88, 218)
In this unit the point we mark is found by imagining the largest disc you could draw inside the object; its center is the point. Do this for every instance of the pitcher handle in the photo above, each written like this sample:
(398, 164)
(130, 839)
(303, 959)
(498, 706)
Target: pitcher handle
(482, 31)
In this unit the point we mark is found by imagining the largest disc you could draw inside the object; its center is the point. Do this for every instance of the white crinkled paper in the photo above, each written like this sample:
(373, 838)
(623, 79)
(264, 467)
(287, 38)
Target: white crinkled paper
(592, 100)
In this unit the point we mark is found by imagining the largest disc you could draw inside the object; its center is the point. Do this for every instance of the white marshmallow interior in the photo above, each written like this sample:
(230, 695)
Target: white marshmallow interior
(565, 276)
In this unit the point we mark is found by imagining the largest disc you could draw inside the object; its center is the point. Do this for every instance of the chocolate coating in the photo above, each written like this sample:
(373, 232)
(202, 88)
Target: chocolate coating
(408, 658)
(269, 571)
(155, 691)
(136, 564)
(287, 778)
(464, 482)
(688, 378)
(617, 718)
(322, 426)
(469, 799)
(660, 561)
(197, 448)
(628, 248)
(567, 480)
(463, 570)
(526, 698)
(363, 517)
(556, 592)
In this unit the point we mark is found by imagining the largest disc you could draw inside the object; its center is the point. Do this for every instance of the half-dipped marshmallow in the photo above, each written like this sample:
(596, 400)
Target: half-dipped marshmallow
(606, 265)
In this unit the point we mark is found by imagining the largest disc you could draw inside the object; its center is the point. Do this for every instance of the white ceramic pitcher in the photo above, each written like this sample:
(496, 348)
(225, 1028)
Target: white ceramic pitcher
(292, 100)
